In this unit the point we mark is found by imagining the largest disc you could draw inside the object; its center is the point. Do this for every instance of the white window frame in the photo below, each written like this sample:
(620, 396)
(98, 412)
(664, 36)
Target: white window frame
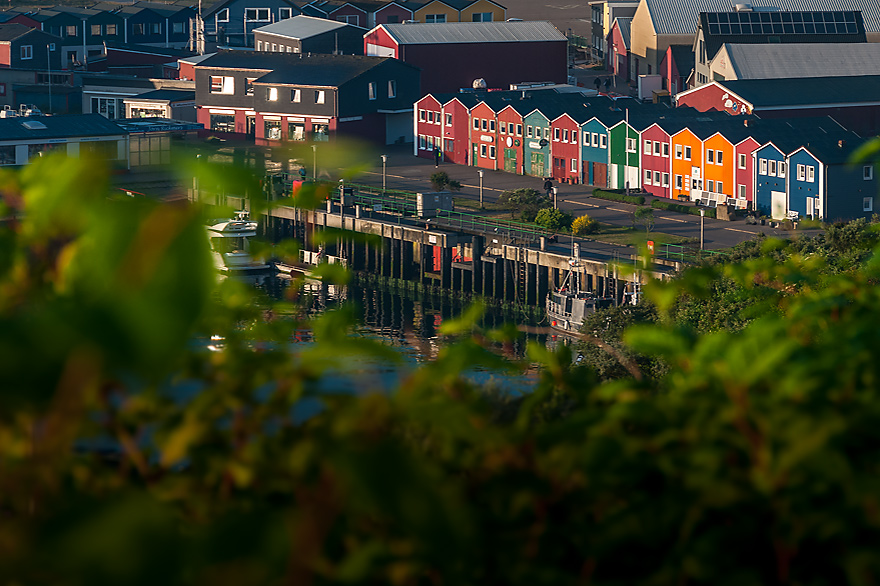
(710, 156)
(631, 145)
(771, 168)
(666, 149)
(648, 147)
(656, 148)
(392, 88)
(678, 182)
(762, 166)
(422, 142)
(687, 153)
(648, 175)
(483, 151)
(710, 185)
(227, 84)
(780, 169)
(371, 90)
(594, 138)
(295, 95)
(868, 172)
(741, 189)
(679, 151)
(259, 45)
(27, 52)
(491, 126)
(556, 135)
(435, 18)
(719, 157)
(519, 129)
(811, 173)
(867, 204)
(448, 119)
(574, 165)
(719, 187)
(801, 173)
(657, 178)
(319, 96)
(222, 15)
(603, 141)
(742, 160)
(272, 94)
(285, 12)
(665, 179)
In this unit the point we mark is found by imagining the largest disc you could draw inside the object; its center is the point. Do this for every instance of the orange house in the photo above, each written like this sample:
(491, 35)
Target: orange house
(718, 170)
(687, 165)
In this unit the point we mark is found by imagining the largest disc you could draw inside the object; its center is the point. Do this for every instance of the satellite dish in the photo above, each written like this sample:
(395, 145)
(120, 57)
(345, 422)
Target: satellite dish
(480, 84)
(543, 142)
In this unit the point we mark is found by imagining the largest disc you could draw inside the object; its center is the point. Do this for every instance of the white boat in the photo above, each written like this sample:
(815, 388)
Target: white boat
(230, 246)
(566, 309)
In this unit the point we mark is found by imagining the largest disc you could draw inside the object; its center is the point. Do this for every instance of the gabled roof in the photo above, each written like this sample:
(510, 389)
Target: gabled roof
(314, 69)
(12, 31)
(473, 32)
(217, 7)
(624, 25)
(806, 91)
(780, 27)
(679, 17)
(303, 27)
(804, 60)
(58, 127)
(683, 56)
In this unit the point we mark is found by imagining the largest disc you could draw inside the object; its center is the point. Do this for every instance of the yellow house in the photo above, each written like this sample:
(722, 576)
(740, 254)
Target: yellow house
(460, 11)
(436, 11)
(483, 11)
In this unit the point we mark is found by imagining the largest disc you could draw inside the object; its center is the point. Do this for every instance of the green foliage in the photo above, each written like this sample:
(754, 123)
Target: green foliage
(136, 449)
(671, 206)
(584, 225)
(553, 219)
(440, 181)
(612, 196)
(643, 217)
(526, 201)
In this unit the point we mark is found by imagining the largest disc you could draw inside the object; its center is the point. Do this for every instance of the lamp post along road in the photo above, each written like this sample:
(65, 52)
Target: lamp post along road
(702, 219)
(555, 199)
(480, 173)
(314, 162)
(384, 161)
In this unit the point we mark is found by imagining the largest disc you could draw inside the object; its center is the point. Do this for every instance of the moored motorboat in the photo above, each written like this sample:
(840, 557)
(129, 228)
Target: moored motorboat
(230, 244)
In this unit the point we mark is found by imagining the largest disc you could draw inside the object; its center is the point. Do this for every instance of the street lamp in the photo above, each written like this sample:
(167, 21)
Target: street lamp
(702, 219)
(384, 161)
(49, 71)
(314, 162)
(555, 199)
(480, 173)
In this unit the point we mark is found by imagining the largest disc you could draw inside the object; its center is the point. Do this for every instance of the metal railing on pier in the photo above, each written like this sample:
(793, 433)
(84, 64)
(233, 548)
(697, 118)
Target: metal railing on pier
(685, 253)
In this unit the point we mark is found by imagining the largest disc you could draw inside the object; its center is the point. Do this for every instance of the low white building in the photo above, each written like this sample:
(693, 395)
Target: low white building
(26, 137)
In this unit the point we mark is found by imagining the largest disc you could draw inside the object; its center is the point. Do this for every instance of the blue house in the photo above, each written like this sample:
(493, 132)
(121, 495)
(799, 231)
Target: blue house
(805, 184)
(594, 152)
(771, 195)
(846, 190)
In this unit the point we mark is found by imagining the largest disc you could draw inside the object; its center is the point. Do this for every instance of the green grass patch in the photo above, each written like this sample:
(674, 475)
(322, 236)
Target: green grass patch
(626, 236)
(474, 204)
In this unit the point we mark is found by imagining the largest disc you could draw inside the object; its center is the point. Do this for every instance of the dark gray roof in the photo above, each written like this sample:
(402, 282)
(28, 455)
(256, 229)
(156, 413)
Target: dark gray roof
(13, 30)
(166, 95)
(297, 68)
(624, 24)
(679, 17)
(804, 60)
(302, 27)
(780, 27)
(473, 32)
(80, 125)
(132, 47)
(808, 91)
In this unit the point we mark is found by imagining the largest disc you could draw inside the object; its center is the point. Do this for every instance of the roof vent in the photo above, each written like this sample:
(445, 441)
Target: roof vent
(841, 143)
(746, 122)
(743, 7)
(33, 125)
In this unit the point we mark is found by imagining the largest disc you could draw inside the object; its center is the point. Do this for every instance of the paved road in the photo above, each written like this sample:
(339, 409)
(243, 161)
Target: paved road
(404, 171)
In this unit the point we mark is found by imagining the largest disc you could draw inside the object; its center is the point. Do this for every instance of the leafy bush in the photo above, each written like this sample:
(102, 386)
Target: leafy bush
(584, 225)
(610, 195)
(663, 204)
(553, 219)
(526, 201)
(440, 181)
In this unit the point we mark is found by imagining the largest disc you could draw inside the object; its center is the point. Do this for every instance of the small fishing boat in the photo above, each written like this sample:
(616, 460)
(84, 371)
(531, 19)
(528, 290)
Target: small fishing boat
(230, 246)
(567, 308)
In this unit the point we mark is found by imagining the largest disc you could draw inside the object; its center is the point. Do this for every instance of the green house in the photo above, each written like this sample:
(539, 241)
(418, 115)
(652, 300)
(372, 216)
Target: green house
(623, 156)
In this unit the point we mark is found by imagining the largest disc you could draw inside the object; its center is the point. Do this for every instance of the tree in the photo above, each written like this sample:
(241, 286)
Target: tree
(553, 219)
(526, 201)
(645, 218)
(440, 181)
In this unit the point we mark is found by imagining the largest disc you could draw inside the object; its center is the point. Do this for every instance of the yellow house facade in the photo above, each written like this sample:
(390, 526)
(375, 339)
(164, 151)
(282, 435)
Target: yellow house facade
(440, 11)
(436, 11)
(484, 11)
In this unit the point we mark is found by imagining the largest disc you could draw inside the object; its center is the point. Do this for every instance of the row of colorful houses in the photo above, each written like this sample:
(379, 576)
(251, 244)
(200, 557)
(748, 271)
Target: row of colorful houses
(779, 167)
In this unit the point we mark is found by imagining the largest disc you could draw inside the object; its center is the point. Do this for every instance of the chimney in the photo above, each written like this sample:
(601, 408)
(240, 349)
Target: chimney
(746, 122)
(841, 143)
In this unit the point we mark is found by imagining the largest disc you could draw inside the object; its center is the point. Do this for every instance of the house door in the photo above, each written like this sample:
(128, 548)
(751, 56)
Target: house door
(510, 160)
(600, 174)
(632, 177)
(251, 126)
(475, 154)
(615, 178)
(538, 167)
(811, 207)
(777, 205)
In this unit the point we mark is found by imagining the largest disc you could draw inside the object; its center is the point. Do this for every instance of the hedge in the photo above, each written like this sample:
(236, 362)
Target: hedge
(633, 199)
(682, 209)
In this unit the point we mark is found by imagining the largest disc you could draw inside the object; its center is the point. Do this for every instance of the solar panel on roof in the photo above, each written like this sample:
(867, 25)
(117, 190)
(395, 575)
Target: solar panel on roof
(714, 29)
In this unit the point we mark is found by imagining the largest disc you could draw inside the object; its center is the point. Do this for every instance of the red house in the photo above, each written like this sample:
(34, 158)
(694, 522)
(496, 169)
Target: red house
(392, 13)
(676, 67)
(456, 125)
(565, 149)
(618, 48)
(510, 139)
(453, 55)
(714, 96)
(744, 168)
(428, 127)
(656, 161)
(484, 137)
